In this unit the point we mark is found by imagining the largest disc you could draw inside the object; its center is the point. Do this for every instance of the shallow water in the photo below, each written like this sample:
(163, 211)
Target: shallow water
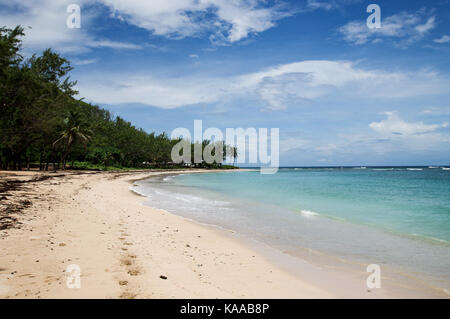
(395, 217)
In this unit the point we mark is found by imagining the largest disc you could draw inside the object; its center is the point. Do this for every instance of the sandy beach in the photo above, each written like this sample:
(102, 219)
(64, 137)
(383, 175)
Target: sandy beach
(123, 249)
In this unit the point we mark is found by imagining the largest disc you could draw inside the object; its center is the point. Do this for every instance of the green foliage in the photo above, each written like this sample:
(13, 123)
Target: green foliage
(41, 121)
(10, 47)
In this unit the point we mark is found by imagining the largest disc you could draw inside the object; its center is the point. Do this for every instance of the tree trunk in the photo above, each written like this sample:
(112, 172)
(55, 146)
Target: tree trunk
(63, 162)
(40, 161)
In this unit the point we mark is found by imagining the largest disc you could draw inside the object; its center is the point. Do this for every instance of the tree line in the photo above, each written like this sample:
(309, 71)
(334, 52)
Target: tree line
(43, 124)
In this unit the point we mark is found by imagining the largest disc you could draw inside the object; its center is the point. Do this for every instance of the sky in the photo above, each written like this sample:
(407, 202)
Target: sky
(340, 93)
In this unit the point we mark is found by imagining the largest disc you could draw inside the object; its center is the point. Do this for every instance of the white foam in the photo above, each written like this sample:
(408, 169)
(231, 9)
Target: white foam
(182, 199)
(308, 213)
(446, 168)
(414, 169)
(134, 190)
(190, 198)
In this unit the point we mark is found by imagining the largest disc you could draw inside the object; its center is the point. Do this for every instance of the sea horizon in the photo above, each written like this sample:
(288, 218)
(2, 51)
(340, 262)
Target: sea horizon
(355, 166)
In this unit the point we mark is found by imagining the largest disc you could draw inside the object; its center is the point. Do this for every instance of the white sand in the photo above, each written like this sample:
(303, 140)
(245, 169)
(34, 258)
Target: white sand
(123, 247)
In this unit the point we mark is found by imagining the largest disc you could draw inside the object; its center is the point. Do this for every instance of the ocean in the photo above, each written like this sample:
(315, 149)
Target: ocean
(397, 217)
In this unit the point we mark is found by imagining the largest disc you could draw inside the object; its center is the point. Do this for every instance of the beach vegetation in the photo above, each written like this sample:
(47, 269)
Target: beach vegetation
(45, 125)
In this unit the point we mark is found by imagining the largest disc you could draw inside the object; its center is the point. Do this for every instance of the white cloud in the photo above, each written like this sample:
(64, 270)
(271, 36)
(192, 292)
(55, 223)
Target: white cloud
(293, 144)
(407, 27)
(437, 111)
(45, 23)
(226, 21)
(45, 26)
(328, 4)
(400, 134)
(394, 125)
(84, 61)
(275, 88)
(384, 138)
(443, 39)
(429, 25)
(112, 44)
(309, 80)
(327, 149)
(193, 56)
(315, 4)
(232, 19)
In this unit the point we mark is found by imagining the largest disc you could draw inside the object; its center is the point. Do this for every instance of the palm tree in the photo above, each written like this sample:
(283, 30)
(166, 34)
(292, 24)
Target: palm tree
(74, 133)
(234, 154)
(230, 152)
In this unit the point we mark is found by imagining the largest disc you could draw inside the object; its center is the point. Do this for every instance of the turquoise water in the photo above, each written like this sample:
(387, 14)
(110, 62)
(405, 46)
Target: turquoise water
(412, 202)
(394, 217)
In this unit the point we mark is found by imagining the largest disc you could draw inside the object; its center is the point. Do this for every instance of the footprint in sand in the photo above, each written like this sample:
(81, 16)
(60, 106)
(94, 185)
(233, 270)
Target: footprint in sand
(134, 272)
(126, 262)
(127, 295)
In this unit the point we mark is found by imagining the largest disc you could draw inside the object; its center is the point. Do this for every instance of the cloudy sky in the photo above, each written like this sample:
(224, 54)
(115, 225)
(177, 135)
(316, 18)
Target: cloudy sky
(340, 93)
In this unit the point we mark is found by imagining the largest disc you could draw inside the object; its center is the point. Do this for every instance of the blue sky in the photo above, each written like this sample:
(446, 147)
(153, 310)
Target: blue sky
(340, 93)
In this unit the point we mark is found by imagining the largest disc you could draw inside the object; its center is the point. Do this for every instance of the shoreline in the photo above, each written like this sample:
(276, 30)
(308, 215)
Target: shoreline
(125, 250)
(330, 272)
